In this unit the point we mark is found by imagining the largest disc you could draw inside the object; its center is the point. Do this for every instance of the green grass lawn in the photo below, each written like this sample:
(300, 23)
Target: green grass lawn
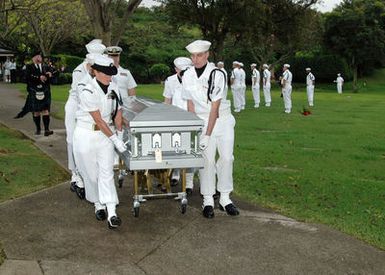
(324, 168)
(15, 176)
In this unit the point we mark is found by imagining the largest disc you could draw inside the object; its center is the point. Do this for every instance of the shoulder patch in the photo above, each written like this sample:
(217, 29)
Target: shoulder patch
(77, 70)
(88, 90)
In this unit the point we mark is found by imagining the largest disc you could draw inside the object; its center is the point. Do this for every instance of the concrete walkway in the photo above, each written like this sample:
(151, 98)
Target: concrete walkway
(53, 232)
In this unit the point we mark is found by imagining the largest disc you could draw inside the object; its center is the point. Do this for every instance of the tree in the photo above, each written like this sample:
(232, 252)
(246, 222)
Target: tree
(355, 30)
(104, 14)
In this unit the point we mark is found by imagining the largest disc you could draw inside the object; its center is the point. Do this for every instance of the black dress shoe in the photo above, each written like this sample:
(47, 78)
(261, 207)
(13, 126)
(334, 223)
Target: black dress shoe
(189, 191)
(231, 209)
(208, 212)
(100, 215)
(81, 192)
(73, 186)
(114, 222)
(48, 133)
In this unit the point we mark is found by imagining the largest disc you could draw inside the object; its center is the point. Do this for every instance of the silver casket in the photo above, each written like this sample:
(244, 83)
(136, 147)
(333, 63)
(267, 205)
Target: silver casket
(161, 136)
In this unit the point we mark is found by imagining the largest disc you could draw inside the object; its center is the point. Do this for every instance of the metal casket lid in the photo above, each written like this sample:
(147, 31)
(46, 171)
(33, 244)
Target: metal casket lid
(165, 115)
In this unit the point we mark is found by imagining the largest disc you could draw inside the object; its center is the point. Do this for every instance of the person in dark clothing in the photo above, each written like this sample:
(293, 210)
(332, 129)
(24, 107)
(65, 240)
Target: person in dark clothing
(39, 95)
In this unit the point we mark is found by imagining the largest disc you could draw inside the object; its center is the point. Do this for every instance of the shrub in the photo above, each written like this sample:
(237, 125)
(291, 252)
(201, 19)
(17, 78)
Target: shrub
(64, 78)
(159, 71)
(69, 61)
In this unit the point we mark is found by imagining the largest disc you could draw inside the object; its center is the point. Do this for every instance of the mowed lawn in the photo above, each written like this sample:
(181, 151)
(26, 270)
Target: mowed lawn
(327, 168)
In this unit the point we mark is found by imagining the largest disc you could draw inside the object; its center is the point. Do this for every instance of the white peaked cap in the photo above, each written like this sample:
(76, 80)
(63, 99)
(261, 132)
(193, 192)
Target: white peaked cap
(253, 65)
(286, 65)
(308, 69)
(182, 63)
(102, 60)
(95, 46)
(90, 58)
(198, 46)
(265, 66)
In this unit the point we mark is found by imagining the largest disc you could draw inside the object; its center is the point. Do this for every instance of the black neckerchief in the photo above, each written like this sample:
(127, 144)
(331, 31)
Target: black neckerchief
(179, 79)
(104, 87)
(200, 71)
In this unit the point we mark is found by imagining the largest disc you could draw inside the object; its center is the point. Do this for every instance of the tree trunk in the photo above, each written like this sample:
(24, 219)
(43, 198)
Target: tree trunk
(355, 75)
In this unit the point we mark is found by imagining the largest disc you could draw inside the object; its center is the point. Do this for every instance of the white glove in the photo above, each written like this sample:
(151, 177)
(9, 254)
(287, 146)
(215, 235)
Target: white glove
(119, 145)
(204, 142)
(120, 135)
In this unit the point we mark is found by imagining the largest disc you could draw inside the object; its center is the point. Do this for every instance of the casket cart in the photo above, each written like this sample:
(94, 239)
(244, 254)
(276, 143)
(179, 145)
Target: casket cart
(159, 138)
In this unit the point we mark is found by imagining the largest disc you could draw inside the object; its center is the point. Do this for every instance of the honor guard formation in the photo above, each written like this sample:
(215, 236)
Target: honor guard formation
(101, 88)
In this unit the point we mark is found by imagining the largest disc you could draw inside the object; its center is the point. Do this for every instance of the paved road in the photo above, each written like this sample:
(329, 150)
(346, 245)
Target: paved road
(53, 232)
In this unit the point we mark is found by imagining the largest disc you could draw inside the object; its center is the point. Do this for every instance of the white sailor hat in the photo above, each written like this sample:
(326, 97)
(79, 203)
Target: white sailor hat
(338, 74)
(113, 50)
(265, 66)
(308, 69)
(95, 46)
(220, 63)
(90, 58)
(241, 64)
(182, 63)
(104, 64)
(253, 65)
(198, 46)
(286, 65)
(235, 63)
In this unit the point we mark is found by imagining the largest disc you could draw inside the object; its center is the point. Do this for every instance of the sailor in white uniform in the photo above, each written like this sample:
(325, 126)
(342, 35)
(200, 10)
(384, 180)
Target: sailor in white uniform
(310, 82)
(255, 80)
(94, 141)
(173, 95)
(123, 78)
(221, 66)
(286, 80)
(80, 76)
(242, 94)
(236, 86)
(340, 83)
(266, 85)
(218, 133)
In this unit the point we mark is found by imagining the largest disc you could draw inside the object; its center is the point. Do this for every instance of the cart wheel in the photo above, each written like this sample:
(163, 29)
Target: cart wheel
(136, 212)
(120, 183)
(183, 208)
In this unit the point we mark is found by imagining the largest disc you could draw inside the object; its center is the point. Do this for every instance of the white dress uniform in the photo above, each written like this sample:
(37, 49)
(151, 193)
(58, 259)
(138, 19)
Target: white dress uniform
(79, 75)
(310, 78)
(125, 82)
(173, 90)
(267, 87)
(243, 89)
(286, 90)
(256, 78)
(222, 137)
(236, 88)
(227, 87)
(93, 150)
(340, 82)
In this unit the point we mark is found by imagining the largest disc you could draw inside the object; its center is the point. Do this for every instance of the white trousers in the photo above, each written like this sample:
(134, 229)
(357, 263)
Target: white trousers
(94, 154)
(237, 97)
(70, 108)
(266, 92)
(221, 140)
(286, 92)
(189, 177)
(339, 88)
(243, 96)
(256, 94)
(310, 94)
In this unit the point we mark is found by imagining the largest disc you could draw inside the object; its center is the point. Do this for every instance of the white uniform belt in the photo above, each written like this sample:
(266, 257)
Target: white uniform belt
(90, 125)
(223, 112)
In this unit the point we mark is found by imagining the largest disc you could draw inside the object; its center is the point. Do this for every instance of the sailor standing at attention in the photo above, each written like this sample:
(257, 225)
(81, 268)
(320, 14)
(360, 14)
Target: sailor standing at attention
(221, 66)
(203, 87)
(286, 80)
(340, 83)
(255, 79)
(266, 85)
(243, 86)
(173, 95)
(235, 81)
(94, 141)
(80, 77)
(310, 81)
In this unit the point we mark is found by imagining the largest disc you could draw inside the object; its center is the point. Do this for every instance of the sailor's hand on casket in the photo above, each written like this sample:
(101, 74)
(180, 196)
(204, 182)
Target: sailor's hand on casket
(204, 142)
(119, 144)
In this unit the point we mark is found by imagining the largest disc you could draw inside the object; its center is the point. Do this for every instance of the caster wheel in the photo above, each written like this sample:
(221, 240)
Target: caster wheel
(183, 208)
(136, 212)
